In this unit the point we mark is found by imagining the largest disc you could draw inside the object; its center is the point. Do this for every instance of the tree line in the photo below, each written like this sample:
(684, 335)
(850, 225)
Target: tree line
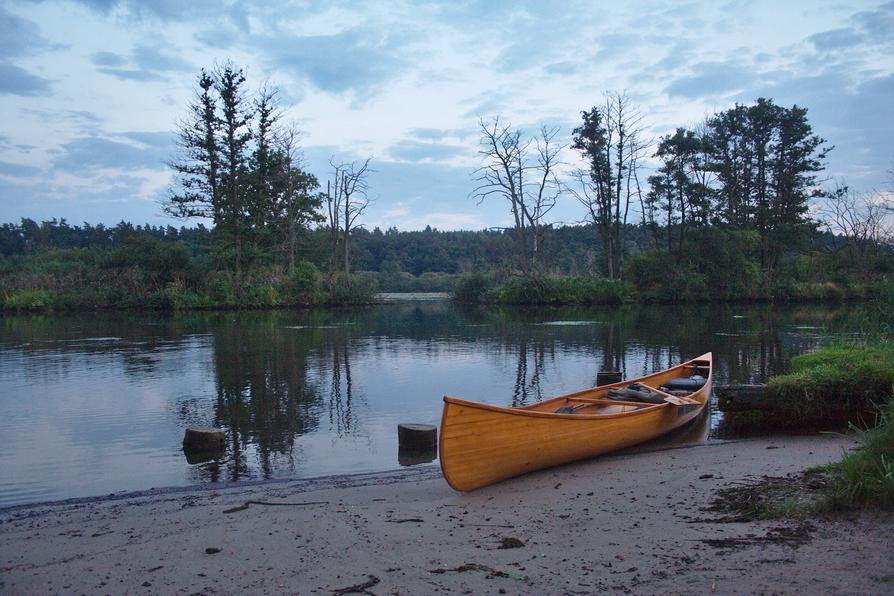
(730, 196)
(748, 168)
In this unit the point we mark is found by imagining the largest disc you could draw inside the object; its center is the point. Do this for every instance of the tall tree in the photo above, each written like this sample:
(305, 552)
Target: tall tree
(544, 193)
(234, 168)
(766, 159)
(502, 175)
(298, 202)
(198, 166)
(610, 141)
(678, 189)
(235, 119)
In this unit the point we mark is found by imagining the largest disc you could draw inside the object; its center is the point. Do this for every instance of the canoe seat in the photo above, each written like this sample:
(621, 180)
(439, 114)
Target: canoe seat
(693, 383)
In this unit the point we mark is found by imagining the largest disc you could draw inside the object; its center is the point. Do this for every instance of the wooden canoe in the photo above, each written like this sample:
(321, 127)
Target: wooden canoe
(482, 444)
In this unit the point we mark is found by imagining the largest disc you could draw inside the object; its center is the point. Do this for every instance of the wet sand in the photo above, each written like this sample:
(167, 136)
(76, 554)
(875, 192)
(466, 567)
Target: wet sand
(631, 523)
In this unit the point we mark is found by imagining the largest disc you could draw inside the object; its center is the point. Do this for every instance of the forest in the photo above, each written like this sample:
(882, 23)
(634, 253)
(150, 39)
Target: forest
(738, 208)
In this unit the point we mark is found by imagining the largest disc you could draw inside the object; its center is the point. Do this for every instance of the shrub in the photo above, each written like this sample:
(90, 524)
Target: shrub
(302, 284)
(561, 290)
(28, 300)
(470, 288)
(353, 289)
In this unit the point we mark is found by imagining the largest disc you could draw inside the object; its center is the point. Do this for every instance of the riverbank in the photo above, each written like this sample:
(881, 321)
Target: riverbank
(624, 523)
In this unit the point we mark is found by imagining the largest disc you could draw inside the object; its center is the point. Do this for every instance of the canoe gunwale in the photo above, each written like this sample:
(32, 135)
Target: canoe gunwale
(641, 409)
(553, 415)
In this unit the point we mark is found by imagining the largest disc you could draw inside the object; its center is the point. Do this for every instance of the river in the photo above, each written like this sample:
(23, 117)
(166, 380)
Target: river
(95, 403)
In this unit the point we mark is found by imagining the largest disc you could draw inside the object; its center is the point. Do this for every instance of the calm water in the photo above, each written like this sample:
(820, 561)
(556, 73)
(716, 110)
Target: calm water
(98, 403)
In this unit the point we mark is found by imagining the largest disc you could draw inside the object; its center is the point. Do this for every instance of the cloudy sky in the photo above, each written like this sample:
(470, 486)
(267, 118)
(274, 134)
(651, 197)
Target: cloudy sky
(90, 90)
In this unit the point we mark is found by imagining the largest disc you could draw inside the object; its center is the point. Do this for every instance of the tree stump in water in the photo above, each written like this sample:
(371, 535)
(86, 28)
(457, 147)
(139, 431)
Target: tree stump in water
(607, 377)
(417, 437)
(414, 457)
(203, 438)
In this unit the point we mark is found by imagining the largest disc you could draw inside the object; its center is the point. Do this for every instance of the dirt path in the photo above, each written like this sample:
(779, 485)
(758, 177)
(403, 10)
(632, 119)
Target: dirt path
(633, 524)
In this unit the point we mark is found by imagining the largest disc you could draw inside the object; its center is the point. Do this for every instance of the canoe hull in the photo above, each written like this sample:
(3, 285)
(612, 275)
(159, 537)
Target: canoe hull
(482, 444)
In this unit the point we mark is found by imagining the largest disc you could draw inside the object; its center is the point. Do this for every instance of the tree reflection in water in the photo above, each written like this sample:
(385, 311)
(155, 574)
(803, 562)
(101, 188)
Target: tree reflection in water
(111, 393)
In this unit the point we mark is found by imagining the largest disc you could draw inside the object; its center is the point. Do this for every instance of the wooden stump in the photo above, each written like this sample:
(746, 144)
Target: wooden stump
(418, 437)
(607, 377)
(414, 457)
(203, 438)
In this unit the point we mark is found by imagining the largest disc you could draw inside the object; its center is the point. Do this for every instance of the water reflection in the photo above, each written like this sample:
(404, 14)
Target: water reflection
(93, 403)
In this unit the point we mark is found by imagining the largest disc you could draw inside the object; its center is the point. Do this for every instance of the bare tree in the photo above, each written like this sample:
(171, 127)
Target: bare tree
(610, 141)
(501, 176)
(346, 200)
(507, 167)
(546, 191)
(862, 219)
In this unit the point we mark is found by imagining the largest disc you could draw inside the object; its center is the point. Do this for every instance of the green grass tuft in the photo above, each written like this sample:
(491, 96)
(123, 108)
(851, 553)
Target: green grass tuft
(866, 477)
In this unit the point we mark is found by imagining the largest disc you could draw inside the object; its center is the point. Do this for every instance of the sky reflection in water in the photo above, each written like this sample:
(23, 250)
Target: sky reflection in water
(98, 403)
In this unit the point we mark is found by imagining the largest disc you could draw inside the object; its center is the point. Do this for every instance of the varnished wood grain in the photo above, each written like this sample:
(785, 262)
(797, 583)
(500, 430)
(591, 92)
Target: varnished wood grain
(482, 444)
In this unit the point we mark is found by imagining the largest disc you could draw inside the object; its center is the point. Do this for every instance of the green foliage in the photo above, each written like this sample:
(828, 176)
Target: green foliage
(353, 289)
(176, 296)
(24, 300)
(866, 476)
(164, 261)
(561, 290)
(839, 383)
(472, 287)
(302, 284)
(717, 265)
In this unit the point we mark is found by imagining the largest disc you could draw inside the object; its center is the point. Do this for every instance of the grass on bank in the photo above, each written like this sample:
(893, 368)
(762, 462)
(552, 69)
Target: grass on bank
(845, 384)
(836, 384)
(865, 477)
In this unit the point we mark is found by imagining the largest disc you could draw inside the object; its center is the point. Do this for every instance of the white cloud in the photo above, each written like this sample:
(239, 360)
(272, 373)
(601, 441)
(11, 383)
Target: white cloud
(407, 82)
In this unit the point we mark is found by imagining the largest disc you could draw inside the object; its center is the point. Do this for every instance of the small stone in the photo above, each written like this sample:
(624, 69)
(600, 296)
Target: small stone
(510, 542)
(212, 550)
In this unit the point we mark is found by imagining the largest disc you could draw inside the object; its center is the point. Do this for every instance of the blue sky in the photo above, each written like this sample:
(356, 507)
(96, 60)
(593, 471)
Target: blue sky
(91, 90)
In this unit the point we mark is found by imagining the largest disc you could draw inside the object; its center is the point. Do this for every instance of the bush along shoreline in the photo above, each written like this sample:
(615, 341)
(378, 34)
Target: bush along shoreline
(484, 288)
(140, 271)
(153, 275)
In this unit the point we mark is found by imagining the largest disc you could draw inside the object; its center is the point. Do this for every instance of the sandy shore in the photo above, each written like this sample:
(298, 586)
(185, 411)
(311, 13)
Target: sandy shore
(632, 523)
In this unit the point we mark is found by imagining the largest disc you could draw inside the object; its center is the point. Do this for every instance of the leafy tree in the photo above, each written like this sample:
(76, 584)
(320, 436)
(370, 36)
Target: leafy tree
(678, 189)
(239, 168)
(766, 159)
(610, 143)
